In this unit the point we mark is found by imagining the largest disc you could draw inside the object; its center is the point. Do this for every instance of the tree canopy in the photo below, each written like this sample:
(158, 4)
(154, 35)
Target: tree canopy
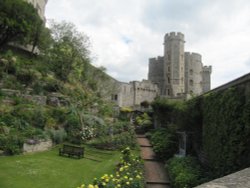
(19, 21)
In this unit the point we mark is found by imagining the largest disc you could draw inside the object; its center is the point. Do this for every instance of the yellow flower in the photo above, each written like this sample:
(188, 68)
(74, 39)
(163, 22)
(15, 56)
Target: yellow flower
(82, 186)
(126, 177)
(103, 183)
(96, 186)
(131, 179)
(138, 176)
(119, 185)
(127, 183)
(91, 186)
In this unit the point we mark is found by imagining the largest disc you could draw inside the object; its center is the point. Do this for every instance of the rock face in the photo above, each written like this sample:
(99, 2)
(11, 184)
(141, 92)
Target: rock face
(239, 179)
(34, 146)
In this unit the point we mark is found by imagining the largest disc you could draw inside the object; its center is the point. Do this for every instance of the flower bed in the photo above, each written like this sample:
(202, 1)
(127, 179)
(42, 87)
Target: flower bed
(129, 174)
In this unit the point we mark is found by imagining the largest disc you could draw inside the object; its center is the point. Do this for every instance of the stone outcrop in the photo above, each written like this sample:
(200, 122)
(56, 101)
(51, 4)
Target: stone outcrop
(34, 146)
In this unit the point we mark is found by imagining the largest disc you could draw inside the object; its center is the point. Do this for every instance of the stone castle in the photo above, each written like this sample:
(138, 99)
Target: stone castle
(179, 73)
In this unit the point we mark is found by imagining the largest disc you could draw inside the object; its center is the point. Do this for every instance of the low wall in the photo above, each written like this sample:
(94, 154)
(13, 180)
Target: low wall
(41, 146)
(239, 179)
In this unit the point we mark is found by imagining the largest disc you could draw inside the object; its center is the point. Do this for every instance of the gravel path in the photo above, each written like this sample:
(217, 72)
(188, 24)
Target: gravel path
(155, 174)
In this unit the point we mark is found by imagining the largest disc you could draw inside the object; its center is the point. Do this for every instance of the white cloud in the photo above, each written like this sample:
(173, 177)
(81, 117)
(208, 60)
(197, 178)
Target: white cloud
(124, 34)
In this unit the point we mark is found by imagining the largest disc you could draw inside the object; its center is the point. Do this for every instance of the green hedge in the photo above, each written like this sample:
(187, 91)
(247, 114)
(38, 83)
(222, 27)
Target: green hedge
(226, 130)
(184, 172)
(220, 122)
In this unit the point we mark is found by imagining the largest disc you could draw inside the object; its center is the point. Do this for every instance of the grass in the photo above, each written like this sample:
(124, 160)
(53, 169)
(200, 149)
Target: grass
(48, 170)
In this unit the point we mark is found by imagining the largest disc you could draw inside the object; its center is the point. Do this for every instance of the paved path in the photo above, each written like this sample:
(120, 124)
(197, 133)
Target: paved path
(155, 174)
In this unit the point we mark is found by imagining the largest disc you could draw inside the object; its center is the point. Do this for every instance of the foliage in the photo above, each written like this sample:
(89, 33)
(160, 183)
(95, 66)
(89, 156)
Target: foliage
(17, 21)
(68, 53)
(164, 142)
(57, 135)
(116, 141)
(184, 172)
(167, 111)
(128, 174)
(227, 130)
(143, 120)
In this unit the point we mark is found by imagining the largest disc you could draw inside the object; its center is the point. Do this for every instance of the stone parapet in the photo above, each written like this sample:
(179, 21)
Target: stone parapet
(239, 179)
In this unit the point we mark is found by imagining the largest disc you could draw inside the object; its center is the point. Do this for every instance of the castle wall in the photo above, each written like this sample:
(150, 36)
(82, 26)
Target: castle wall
(133, 93)
(193, 73)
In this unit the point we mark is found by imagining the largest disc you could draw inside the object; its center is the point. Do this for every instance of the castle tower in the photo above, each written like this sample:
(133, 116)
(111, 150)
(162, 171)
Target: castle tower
(206, 74)
(174, 66)
(155, 71)
(193, 73)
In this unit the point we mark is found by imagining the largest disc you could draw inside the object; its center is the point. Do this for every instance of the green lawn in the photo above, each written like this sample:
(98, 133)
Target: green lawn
(48, 170)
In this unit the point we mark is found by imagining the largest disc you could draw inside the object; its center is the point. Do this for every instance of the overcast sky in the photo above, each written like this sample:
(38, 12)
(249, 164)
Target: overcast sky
(125, 33)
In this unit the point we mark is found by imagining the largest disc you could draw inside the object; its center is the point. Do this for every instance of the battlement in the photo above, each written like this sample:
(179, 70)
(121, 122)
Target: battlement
(174, 35)
(155, 60)
(207, 69)
(193, 55)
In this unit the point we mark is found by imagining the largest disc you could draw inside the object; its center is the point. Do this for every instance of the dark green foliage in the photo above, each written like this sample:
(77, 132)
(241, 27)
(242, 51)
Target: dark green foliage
(226, 130)
(17, 21)
(184, 172)
(167, 111)
(165, 143)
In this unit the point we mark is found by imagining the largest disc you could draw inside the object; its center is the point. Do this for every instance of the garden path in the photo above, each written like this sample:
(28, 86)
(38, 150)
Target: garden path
(155, 174)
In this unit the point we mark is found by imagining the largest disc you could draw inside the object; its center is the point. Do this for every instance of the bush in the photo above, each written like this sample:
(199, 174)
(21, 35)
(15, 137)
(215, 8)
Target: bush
(184, 172)
(164, 142)
(117, 141)
(57, 136)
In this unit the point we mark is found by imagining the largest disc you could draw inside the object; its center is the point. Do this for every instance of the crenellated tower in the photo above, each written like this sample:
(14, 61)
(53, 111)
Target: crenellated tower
(179, 73)
(206, 77)
(173, 64)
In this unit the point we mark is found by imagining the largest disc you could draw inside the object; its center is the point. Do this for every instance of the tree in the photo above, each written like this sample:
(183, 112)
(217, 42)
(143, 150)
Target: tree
(68, 53)
(18, 22)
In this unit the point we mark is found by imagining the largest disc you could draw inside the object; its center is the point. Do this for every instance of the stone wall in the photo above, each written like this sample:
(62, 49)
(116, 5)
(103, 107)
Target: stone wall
(37, 146)
(133, 93)
(239, 179)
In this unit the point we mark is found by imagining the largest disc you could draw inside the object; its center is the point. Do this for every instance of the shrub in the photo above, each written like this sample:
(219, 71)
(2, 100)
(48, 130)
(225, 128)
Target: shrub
(184, 172)
(57, 136)
(165, 143)
(117, 141)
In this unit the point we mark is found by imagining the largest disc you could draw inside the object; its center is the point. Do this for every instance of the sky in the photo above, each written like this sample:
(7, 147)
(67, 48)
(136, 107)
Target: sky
(124, 34)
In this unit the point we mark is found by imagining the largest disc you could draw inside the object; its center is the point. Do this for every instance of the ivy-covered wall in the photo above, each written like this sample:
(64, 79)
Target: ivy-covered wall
(220, 125)
(226, 129)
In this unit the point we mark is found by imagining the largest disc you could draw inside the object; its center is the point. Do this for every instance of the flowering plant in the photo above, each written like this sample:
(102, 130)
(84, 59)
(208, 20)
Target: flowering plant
(128, 174)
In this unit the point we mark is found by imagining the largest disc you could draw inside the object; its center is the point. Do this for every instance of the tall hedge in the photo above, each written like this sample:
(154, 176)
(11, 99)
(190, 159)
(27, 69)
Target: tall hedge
(220, 123)
(226, 130)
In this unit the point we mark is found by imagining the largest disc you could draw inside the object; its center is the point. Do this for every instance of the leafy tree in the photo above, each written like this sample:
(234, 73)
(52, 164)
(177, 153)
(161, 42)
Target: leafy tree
(68, 53)
(19, 21)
